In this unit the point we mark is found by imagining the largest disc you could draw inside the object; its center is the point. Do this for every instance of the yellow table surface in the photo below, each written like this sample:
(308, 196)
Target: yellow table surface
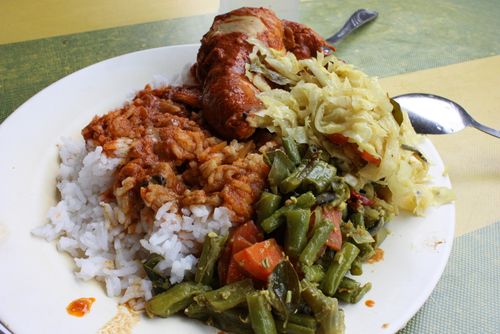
(22, 20)
(472, 158)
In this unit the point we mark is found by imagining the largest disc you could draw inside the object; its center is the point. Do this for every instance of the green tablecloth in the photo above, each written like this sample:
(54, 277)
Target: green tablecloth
(407, 36)
(466, 299)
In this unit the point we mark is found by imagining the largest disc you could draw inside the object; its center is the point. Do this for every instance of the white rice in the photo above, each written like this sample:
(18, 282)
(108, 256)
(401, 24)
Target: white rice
(90, 230)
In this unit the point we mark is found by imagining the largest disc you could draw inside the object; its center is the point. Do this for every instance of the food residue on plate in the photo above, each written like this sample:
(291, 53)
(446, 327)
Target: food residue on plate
(370, 303)
(437, 243)
(386, 325)
(79, 307)
(123, 321)
(3, 231)
(378, 256)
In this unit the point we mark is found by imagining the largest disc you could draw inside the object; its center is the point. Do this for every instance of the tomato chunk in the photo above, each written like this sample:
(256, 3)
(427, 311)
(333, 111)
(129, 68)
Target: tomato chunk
(248, 231)
(234, 272)
(362, 198)
(337, 138)
(259, 260)
(340, 139)
(335, 238)
(370, 158)
(240, 238)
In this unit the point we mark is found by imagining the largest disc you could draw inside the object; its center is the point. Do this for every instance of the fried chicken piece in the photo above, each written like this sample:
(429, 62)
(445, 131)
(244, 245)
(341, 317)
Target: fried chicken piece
(228, 97)
(302, 40)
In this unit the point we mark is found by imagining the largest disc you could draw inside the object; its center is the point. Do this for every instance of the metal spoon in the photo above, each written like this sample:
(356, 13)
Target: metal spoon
(433, 114)
(357, 19)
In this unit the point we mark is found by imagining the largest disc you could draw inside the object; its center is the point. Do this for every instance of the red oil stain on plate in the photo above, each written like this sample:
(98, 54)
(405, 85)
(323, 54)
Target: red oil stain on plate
(79, 307)
(370, 303)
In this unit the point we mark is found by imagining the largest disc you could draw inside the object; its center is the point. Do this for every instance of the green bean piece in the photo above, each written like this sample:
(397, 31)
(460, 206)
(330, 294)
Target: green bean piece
(197, 311)
(232, 321)
(294, 180)
(326, 309)
(361, 236)
(267, 204)
(293, 328)
(305, 201)
(371, 216)
(348, 288)
(356, 267)
(361, 292)
(319, 177)
(348, 283)
(174, 299)
(274, 221)
(269, 157)
(280, 170)
(212, 249)
(321, 232)
(380, 236)
(297, 225)
(318, 215)
(341, 189)
(326, 258)
(350, 291)
(303, 320)
(314, 273)
(261, 318)
(340, 265)
(347, 229)
(227, 296)
(366, 251)
(291, 149)
(159, 282)
(358, 219)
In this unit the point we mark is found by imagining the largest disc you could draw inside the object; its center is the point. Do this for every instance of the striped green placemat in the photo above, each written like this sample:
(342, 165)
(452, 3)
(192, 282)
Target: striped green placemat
(407, 36)
(467, 298)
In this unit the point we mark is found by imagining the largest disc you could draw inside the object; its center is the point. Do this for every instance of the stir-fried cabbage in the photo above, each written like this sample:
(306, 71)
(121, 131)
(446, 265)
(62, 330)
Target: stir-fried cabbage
(323, 97)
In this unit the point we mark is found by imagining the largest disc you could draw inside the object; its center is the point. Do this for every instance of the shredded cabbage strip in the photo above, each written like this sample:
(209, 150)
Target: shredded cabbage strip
(322, 96)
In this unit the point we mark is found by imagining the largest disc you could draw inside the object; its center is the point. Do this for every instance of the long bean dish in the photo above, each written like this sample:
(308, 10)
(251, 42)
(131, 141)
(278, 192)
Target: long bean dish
(251, 199)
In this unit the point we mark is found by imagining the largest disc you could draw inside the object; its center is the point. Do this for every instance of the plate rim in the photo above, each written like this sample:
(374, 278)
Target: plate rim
(417, 304)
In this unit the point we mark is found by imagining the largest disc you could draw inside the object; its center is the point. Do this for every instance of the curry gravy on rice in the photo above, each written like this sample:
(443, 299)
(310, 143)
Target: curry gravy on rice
(172, 156)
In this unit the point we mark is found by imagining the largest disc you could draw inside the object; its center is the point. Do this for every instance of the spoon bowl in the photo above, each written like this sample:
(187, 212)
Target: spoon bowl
(433, 114)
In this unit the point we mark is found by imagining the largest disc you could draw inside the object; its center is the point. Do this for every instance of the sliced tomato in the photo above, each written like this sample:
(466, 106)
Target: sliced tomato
(334, 240)
(234, 272)
(369, 158)
(241, 237)
(240, 243)
(337, 138)
(340, 139)
(248, 231)
(259, 260)
(362, 198)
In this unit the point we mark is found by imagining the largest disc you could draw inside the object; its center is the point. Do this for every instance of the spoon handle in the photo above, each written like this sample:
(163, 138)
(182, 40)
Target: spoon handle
(484, 128)
(357, 19)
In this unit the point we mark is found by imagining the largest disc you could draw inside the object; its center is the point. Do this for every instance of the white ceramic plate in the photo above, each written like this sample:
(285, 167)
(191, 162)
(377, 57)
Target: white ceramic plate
(37, 283)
